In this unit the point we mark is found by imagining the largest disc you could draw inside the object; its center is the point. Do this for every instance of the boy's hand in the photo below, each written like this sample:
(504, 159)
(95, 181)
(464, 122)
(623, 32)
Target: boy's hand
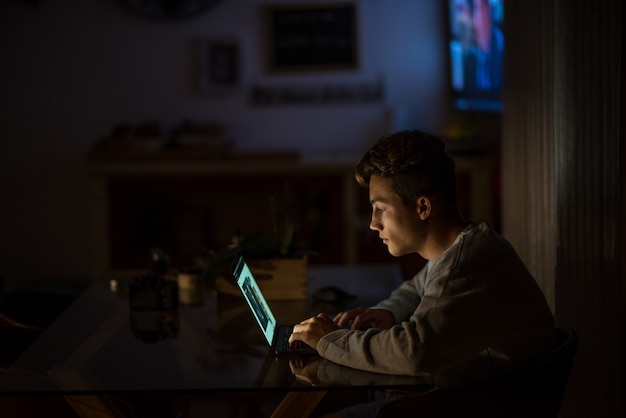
(313, 329)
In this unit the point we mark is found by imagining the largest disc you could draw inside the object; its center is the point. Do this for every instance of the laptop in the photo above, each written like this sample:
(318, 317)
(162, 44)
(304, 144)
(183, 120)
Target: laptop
(277, 336)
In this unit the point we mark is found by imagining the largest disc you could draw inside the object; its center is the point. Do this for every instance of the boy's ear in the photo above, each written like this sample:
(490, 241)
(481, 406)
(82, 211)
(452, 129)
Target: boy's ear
(423, 207)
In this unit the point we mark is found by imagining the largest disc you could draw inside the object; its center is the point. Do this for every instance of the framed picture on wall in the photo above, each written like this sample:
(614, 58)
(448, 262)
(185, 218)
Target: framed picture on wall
(311, 37)
(220, 65)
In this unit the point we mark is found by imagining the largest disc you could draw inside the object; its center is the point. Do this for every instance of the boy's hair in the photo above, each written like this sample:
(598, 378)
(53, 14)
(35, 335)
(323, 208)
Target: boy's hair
(416, 162)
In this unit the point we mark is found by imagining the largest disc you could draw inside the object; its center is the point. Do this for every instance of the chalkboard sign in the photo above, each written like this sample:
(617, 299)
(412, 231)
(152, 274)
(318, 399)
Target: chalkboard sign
(309, 37)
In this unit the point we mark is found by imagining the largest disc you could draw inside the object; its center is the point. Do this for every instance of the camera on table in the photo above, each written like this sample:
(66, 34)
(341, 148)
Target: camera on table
(152, 291)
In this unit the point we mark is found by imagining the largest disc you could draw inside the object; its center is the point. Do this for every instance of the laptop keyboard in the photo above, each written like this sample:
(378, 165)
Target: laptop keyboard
(282, 341)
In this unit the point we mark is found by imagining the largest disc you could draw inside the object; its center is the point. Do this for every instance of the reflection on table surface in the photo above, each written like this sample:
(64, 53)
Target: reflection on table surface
(100, 345)
(322, 373)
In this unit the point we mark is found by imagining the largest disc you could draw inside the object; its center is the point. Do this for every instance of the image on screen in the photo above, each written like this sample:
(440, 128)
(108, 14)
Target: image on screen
(476, 46)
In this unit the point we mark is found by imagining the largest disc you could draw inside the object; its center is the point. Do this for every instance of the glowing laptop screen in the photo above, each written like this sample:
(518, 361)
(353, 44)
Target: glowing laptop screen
(255, 299)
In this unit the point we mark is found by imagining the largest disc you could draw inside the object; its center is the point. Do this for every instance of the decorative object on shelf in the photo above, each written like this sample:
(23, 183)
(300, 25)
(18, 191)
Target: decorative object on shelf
(219, 65)
(147, 141)
(355, 93)
(203, 135)
(311, 37)
(168, 10)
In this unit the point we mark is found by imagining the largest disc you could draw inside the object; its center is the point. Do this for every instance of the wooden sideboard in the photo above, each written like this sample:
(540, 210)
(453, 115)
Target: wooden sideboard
(185, 205)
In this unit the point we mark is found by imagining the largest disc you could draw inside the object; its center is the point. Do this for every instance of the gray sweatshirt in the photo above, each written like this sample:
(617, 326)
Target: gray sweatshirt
(476, 304)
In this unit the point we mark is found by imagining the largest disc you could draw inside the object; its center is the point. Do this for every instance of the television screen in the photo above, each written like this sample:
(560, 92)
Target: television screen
(476, 44)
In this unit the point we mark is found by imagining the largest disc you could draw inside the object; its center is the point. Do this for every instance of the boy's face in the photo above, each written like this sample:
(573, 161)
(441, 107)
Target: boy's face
(400, 227)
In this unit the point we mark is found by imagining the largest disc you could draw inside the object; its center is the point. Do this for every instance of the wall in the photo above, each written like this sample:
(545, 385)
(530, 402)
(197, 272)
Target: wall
(72, 70)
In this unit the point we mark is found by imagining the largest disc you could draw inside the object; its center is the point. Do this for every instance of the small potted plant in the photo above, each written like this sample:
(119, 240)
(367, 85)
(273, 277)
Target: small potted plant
(277, 264)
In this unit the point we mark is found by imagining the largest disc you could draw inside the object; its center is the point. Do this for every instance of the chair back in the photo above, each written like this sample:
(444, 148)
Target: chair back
(535, 389)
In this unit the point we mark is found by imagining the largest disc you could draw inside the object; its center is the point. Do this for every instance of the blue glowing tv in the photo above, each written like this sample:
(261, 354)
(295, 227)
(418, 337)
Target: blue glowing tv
(476, 49)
